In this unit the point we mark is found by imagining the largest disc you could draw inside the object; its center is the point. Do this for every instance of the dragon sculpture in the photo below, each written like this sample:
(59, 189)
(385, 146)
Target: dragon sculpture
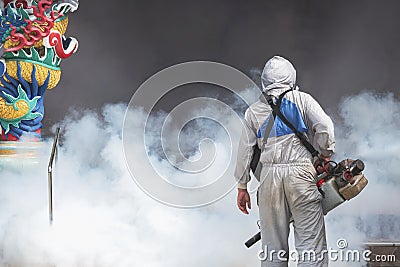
(32, 36)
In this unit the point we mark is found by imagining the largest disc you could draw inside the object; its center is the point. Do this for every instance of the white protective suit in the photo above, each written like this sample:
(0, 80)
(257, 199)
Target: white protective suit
(287, 190)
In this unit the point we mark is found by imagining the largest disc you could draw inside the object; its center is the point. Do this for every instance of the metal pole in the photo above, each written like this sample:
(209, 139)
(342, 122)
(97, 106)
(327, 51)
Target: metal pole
(50, 174)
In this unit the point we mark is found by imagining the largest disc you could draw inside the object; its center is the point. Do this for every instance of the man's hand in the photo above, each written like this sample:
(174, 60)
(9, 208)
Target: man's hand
(243, 199)
(320, 163)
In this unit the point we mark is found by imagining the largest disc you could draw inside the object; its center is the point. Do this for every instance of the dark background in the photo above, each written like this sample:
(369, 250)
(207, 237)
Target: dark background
(339, 48)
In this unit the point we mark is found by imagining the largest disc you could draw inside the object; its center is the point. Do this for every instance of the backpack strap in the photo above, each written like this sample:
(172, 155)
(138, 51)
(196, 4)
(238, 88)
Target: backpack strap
(276, 109)
(255, 161)
(255, 164)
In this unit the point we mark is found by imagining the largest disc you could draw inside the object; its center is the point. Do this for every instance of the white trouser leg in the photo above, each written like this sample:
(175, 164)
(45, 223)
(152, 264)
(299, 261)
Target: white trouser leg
(290, 192)
(306, 209)
(274, 216)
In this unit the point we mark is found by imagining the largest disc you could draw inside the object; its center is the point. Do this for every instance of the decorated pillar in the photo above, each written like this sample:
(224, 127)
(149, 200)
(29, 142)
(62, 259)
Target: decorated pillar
(32, 36)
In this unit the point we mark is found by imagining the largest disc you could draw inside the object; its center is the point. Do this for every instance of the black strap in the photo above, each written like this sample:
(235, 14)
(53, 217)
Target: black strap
(256, 150)
(276, 109)
(268, 128)
(255, 161)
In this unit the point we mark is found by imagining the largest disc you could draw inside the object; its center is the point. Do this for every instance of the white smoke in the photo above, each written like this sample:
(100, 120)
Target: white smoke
(370, 132)
(101, 217)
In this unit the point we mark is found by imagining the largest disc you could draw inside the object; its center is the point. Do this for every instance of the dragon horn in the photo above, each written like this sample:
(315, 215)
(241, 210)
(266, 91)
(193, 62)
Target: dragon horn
(6, 2)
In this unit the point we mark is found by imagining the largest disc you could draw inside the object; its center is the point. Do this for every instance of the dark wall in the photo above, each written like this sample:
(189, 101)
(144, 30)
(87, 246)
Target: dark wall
(338, 47)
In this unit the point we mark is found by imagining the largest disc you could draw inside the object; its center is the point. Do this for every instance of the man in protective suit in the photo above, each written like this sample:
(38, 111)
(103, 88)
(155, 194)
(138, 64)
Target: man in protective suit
(287, 191)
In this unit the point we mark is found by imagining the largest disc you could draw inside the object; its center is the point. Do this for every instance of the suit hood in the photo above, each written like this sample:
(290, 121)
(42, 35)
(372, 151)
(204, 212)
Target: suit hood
(278, 73)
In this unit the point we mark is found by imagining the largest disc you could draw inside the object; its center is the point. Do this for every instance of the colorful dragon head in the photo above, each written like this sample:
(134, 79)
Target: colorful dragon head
(32, 35)
(32, 32)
